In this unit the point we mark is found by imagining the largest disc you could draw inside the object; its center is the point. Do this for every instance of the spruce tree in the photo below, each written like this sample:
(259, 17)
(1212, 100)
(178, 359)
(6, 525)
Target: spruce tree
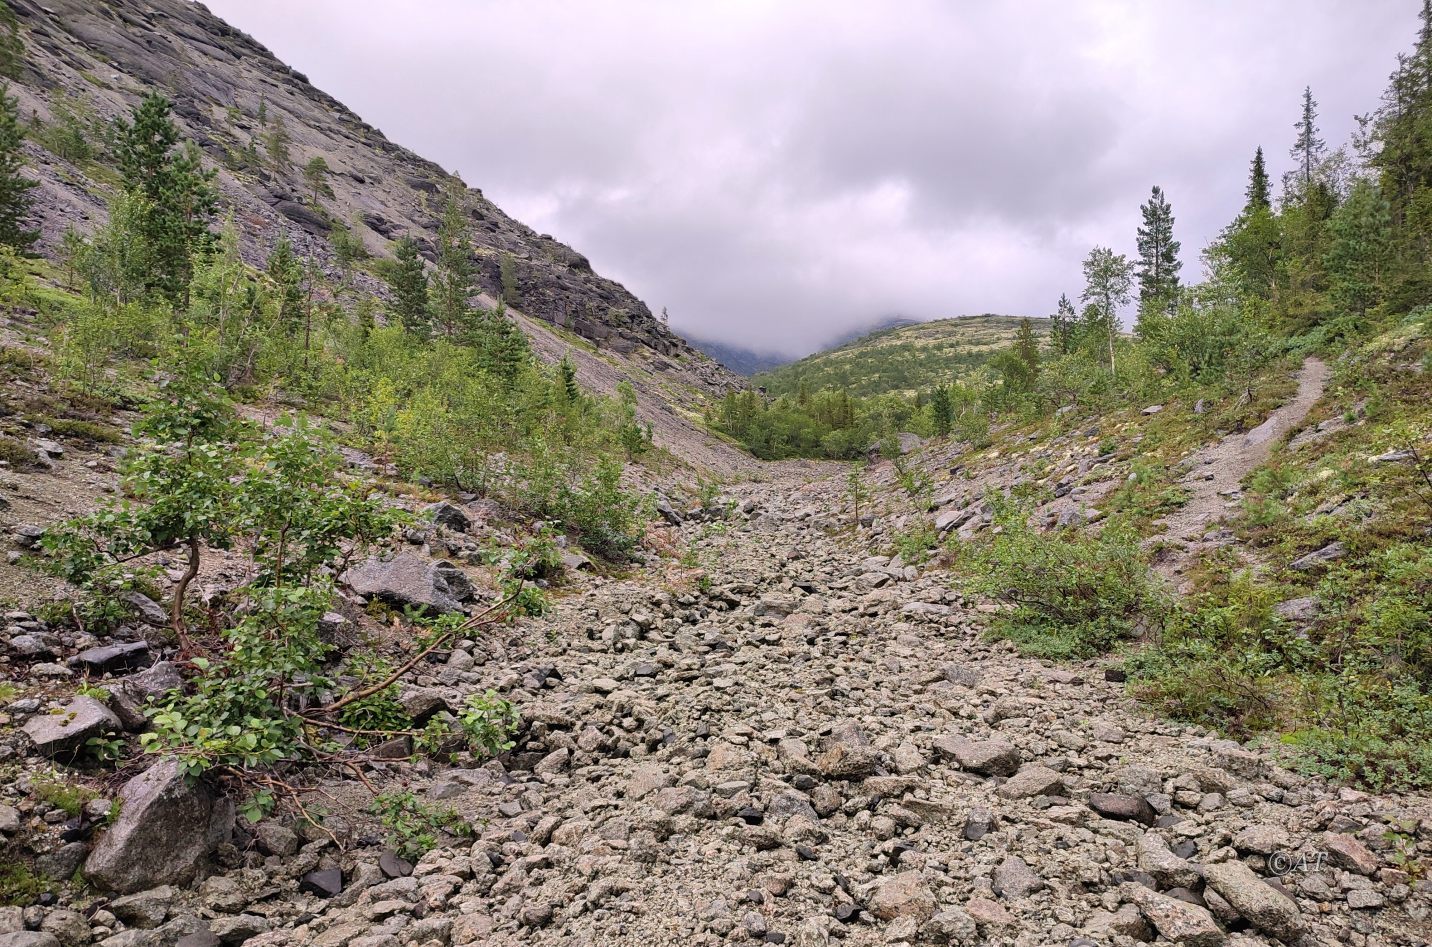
(1064, 324)
(942, 411)
(1258, 193)
(14, 186)
(1158, 264)
(1358, 251)
(286, 271)
(178, 197)
(315, 175)
(1308, 149)
(1026, 348)
(408, 281)
(12, 47)
(452, 283)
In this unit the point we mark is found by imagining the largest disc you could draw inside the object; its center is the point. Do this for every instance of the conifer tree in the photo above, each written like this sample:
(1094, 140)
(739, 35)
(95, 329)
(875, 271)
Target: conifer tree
(276, 143)
(1064, 325)
(1026, 348)
(14, 186)
(315, 175)
(1258, 193)
(1358, 251)
(942, 410)
(12, 47)
(1308, 150)
(452, 284)
(286, 271)
(408, 281)
(178, 197)
(1158, 264)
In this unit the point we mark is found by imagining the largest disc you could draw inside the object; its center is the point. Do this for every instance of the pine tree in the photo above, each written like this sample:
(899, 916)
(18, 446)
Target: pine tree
(1358, 252)
(1026, 348)
(942, 410)
(1108, 283)
(1064, 324)
(276, 143)
(315, 175)
(178, 197)
(1258, 193)
(567, 378)
(1308, 150)
(1158, 264)
(408, 281)
(14, 186)
(452, 284)
(502, 349)
(286, 271)
(12, 47)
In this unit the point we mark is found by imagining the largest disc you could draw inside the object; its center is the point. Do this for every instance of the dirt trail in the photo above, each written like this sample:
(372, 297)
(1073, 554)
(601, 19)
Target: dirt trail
(1216, 472)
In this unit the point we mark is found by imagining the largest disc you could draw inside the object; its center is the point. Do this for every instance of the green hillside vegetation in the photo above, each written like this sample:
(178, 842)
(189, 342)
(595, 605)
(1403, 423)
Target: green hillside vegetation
(1333, 654)
(903, 360)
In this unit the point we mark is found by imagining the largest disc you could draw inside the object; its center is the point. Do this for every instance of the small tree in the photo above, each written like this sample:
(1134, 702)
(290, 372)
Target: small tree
(1259, 193)
(315, 175)
(942, 411)
(1359, 250)
(453, 280)
(408, 281)
(1026, 348)
(1158, 256)
(1064, 325)
(15, 188)
(178, 194)
(1108, 282)
(276, 143)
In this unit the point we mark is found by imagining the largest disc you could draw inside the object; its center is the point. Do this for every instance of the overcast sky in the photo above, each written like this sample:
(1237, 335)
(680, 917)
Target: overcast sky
(777, 172)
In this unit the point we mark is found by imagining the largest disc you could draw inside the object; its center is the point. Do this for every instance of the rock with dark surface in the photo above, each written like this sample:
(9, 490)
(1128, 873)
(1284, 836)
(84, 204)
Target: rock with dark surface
(129, 696)
(115, 658)
(449, 515)
(409, 579)
(65, 729)
(1128, 808)
(164, 833)
(325, 883)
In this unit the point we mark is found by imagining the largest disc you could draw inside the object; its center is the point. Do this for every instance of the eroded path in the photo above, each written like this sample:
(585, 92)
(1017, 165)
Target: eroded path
(810, 747)
(1215, 473)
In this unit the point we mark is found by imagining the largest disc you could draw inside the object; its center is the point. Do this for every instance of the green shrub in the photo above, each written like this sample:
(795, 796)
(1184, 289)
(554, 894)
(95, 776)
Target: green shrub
(1070, 594)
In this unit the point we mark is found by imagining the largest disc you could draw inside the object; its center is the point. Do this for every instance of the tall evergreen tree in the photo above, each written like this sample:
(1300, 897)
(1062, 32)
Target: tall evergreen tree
(286, 271)
(178, 194)
(453, 280)
(1258, 194)
(1308, 149)
(1108, 285)
(1158, 264)
(1064, 325)
(408, 281)
(14, 186)
(1358, 252)
(1026, 348)
(12, 47)
(942, 410)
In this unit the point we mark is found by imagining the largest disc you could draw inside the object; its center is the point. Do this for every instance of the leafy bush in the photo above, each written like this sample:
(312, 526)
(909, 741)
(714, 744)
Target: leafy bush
(1071, 594)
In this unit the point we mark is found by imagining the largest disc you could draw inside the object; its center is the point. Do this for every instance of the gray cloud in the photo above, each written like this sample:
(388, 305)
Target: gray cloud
(778, 173)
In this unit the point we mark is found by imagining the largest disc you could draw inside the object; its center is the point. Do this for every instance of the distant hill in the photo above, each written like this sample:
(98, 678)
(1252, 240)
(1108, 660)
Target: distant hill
(740, 360)
(907, 357)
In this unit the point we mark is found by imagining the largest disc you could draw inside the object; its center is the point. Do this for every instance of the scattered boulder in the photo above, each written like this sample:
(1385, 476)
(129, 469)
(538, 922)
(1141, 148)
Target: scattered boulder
(904, 895)
(115, 658)
(1178, 921)
(164, 833)
(1318, 558)
(1033, 780)
(410, 579)
(1014, 879)
(1258, 902)
(449, 515)
(1124, 807)
(65, 729)
(987, 757)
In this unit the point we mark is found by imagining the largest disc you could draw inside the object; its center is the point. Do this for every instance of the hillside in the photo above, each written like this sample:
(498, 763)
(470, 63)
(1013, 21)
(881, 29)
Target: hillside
(88, 63)
(904, 359)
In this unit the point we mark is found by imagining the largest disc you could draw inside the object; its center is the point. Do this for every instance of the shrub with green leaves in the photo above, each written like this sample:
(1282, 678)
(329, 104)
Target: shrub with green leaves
(1070, 593)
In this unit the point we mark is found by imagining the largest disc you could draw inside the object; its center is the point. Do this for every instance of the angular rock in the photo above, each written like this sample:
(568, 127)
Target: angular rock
(165, 830)
(1030, 781)
(1348, 853)
(146, 909)
(1014, 879)
(66, 729)
(987, 757)
(115, 658)
(1178, 921)
(449, 515)
(325, 882)
(1258, 902)
(904, 895)
(1128, 808)
(1320, 557)
(409, 579)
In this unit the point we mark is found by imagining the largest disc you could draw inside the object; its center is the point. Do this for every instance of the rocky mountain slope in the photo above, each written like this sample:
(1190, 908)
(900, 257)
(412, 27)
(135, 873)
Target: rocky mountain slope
(90, 62)
(789, 739)
(907, 357)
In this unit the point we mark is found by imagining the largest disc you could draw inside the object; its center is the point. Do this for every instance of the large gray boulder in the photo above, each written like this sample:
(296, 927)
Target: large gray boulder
(165, 831)
(1260, 903)
(410, 579)
(66, 729)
